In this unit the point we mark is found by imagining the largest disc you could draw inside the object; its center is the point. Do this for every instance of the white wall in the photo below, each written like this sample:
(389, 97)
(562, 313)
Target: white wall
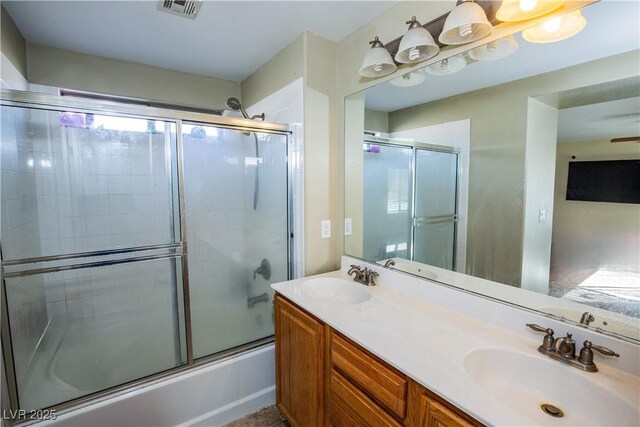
(540, 159)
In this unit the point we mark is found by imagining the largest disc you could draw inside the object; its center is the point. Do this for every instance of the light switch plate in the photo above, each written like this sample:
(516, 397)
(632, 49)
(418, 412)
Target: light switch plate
(348, 229)
(325, 229)
(542, 215)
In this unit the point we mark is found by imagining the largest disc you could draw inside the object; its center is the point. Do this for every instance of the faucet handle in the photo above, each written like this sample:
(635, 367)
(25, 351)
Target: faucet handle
(548, 340)
(539, 328)
(586, 354)
(371, 277)
(604, 350)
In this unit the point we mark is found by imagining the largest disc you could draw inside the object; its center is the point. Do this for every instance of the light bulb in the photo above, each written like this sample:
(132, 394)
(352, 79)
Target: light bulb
(552, 25)
(528, 5)
(414, 53)
(444, 65)
(377, 68)
(465, 30)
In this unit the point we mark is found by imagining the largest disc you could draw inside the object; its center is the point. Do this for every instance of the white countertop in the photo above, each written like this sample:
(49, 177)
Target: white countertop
(429, 342)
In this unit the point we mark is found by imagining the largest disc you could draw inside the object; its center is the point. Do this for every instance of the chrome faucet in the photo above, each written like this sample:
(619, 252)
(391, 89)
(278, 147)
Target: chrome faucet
(389, 263)
(564, 349)
(365, 275)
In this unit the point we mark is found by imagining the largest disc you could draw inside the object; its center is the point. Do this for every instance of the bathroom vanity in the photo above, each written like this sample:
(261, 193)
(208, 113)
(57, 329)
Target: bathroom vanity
(347, 384)
(410, 352)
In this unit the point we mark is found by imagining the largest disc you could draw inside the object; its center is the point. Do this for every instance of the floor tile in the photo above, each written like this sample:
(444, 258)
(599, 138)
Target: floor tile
(266, 417)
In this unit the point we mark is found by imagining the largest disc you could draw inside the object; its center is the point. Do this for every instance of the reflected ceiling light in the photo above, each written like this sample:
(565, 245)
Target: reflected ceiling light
(556, 29)
(447, 66)
(416, 45)
(410, 79)
(496, 49)
(377, 62)
(466, 23)
(522, 10)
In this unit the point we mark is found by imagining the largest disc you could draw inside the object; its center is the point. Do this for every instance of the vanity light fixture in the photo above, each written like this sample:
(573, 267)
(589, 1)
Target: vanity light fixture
(466, 23)
(413, 78)
(377, 62)
(416, 45)
(447, 66)
(496, 49)
(556, 29)
(522, 10)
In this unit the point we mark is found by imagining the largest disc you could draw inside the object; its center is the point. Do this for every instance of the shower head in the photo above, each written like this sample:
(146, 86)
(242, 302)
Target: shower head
(234, 104)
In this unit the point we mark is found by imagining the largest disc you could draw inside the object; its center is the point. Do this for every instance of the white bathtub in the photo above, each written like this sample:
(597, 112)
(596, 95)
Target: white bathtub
(82, 356)
(211, 395)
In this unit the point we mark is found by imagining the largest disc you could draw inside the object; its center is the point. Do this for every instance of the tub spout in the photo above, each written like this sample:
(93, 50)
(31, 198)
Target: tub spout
(252, 301)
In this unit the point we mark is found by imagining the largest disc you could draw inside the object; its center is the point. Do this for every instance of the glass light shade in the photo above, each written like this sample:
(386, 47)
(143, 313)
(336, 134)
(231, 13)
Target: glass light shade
(410, 79)
(496, 49)
(522, 10)
(377, 63)
(466, 23)
(416, 45)
(447, 66)
(556, 29)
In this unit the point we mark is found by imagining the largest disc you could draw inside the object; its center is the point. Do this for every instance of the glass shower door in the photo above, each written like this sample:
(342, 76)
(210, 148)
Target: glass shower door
(90, 252)
(386, 209)
(435, 217)
(236, 210)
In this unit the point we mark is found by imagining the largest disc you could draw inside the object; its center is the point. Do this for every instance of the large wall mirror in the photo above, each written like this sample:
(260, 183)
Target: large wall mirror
(520, 171)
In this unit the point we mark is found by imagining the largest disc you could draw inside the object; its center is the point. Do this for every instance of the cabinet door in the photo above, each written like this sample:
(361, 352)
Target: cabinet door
(428, 410)
(299, 365)
(434, 414)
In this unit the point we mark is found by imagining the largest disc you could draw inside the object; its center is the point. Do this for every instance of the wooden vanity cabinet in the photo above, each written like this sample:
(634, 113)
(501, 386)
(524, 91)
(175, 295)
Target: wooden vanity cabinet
(300, 372)
(325, 379)
(428, 410)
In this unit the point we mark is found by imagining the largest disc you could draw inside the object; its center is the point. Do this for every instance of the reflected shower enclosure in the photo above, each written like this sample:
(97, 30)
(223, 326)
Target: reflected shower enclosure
(409, 203)
(133, 242)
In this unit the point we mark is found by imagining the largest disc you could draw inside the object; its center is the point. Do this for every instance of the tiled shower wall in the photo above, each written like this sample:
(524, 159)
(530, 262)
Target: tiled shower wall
(92, 189)
(20, 233)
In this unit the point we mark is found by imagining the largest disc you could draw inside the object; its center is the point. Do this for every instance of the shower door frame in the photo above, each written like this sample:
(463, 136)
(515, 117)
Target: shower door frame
(415, 147)
(415, 221)
(31, 100)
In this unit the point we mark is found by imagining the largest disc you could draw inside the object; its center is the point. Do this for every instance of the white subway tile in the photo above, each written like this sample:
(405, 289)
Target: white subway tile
(120, 184)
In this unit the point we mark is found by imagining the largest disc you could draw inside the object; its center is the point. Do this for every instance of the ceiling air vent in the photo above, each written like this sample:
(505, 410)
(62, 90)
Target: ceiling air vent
(186, 8)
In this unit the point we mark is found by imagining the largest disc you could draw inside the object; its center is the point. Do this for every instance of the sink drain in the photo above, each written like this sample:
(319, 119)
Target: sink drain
(552, 410)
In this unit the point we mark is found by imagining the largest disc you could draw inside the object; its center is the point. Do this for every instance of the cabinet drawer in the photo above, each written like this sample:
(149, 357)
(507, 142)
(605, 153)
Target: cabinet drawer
(383, 383)
(350, 407)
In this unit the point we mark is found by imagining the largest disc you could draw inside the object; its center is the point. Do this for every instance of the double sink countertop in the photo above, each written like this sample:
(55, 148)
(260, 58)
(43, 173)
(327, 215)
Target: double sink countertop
(494, 374)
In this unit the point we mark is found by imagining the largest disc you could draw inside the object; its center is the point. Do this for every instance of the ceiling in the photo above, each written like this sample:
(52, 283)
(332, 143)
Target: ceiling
(228, 39)
(612, 27)
(605, 120)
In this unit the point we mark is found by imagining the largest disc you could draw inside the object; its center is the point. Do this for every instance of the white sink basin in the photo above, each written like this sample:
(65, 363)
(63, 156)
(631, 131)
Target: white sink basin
(525, 382)
(336, 290)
